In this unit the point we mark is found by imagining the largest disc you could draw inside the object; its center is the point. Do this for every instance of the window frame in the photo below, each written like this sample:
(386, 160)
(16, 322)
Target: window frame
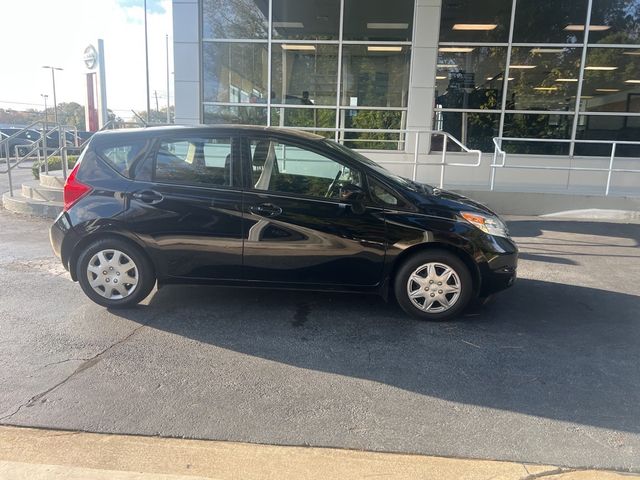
(236, 157)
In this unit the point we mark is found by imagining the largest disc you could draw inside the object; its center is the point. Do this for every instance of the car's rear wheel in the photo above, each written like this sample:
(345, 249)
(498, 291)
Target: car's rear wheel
(433, 285)
(115, 274)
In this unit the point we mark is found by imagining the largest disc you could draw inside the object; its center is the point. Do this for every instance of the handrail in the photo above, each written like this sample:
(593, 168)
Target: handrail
(498, 151)
(416, 151)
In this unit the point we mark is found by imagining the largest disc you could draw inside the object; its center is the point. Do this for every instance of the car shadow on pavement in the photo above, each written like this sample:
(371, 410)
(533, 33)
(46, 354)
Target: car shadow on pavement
(551, 350)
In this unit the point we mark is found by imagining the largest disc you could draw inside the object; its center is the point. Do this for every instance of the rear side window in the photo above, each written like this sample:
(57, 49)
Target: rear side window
(123, 157)
(201, 161)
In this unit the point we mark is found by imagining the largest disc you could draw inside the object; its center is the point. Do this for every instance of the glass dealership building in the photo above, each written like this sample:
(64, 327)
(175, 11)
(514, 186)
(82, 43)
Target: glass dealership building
(562, 70)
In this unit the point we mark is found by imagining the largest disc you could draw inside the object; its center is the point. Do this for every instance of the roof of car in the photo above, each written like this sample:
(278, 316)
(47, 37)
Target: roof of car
(182, 128)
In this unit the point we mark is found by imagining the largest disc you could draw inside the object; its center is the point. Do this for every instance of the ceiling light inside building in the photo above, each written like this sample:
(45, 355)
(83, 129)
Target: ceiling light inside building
(456, 49)
(387, 26)
(295, 46)
(632, 81)
(601, 69)
(522, 67)
(446, 65)
(498, 79)
(566, 79)
(475, 26)
(592, 28)
(383, 48)
(441, 77)
(607, 90)
(634, 52)
(546, 89)
(547, 50)
(288, 24)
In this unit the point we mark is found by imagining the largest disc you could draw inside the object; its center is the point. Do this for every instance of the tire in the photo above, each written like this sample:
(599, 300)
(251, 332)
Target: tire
(439, 282)
(119, 276)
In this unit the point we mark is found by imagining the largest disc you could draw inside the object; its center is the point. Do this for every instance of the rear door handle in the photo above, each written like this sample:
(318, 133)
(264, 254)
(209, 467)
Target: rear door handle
(266, 210)
(148, 196)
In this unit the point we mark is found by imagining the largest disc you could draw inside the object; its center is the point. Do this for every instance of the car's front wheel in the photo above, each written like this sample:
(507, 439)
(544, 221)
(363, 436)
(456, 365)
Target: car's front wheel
(433, 285)
(114, 274)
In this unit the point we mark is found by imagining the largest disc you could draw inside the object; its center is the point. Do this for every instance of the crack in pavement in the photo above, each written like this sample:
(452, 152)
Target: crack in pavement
(87, 364)
(548, 473)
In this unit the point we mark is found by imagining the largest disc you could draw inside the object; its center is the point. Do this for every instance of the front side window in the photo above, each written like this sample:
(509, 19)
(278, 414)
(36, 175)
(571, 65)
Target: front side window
(200, 161)
(283, 168)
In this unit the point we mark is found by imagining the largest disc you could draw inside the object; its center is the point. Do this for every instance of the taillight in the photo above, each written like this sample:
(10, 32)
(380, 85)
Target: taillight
(74, 190)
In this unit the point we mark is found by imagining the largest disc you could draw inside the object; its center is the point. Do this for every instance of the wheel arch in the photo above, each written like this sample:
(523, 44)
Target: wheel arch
(462, 254)
(102, 235)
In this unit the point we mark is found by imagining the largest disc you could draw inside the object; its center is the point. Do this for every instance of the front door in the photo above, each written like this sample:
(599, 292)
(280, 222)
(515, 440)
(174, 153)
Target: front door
(190, 209)
(302, 224)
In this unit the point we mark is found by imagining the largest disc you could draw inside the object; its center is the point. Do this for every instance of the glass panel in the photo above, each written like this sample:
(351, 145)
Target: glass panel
(304, 74)
(306, 19)
(537, 126)
(122, 157)
(235, 72)
(378, 20)
(304, 117)
(278, 167)
(373, 119)
(609, 127)
(611, 80)
(375, 75)
(235, 18)
(470, 77)
(549, 21)
(195, 160)
(239, 115)
(543, 78)
(475, 130)
(615, 21)
(474, 21)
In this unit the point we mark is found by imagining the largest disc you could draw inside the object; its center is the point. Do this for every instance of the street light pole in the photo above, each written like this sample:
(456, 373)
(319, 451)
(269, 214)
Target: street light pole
(53, 81)
(146, 60)
(44, 134)
(61, 145)
(168, 96)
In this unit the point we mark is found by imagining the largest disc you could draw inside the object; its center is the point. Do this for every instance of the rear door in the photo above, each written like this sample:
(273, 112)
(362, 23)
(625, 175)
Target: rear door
(302, 225)
(186, 205)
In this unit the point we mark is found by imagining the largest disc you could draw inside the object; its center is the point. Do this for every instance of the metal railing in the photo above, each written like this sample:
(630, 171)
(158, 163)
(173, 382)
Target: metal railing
(402, 134)
(610, 170)
(34, 149)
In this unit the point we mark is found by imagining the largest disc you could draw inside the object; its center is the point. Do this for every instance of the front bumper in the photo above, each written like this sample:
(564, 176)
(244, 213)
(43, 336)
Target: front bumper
(499, 271)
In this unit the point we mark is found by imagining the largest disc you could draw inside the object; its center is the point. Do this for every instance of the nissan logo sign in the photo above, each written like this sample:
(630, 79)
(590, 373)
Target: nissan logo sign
(90, 57)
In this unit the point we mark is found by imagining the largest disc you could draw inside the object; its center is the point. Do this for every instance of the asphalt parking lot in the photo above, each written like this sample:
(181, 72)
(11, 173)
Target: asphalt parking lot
(548, 372)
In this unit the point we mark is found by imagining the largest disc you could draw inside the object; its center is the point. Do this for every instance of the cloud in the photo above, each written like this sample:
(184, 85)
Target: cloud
(153, 6)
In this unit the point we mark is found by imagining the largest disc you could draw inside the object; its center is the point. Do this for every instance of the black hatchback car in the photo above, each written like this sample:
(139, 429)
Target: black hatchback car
(267, 207)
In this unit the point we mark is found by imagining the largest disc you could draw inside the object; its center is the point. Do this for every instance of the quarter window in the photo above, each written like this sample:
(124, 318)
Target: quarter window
(122, 157)
(195, 161)
(278, 167)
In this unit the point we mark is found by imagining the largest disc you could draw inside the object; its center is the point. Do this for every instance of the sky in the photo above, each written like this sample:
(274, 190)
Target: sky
(56, 32)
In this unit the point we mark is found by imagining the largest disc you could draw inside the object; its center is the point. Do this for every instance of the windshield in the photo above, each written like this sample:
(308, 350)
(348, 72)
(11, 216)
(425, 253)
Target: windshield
(404, 182)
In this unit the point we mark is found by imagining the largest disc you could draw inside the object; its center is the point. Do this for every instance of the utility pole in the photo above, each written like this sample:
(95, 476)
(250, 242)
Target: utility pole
(146, 59)
(46, 116)
(168, 96)
(155, 93)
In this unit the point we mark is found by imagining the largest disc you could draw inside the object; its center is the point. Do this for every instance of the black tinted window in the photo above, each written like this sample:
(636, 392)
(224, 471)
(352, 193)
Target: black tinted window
(279, 167)
(195, 161)
(122, 157)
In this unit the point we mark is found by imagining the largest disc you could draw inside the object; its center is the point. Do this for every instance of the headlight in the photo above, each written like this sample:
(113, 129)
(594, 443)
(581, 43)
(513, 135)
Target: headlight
(487, 223)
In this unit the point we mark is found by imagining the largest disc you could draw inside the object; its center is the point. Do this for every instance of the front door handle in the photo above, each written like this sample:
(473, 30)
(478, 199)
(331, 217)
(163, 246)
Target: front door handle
(266, 210)
(148, 196)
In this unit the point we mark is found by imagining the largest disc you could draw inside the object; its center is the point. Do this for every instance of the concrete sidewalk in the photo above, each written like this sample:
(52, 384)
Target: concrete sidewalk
(36, 454)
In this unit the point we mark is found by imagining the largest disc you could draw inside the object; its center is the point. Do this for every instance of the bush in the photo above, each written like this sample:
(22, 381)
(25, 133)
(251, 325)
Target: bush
(55, 163)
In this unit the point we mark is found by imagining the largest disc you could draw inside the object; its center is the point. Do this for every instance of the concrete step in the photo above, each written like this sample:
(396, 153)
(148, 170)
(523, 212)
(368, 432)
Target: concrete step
(53, 179)
(38, 192)
(30, 206)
